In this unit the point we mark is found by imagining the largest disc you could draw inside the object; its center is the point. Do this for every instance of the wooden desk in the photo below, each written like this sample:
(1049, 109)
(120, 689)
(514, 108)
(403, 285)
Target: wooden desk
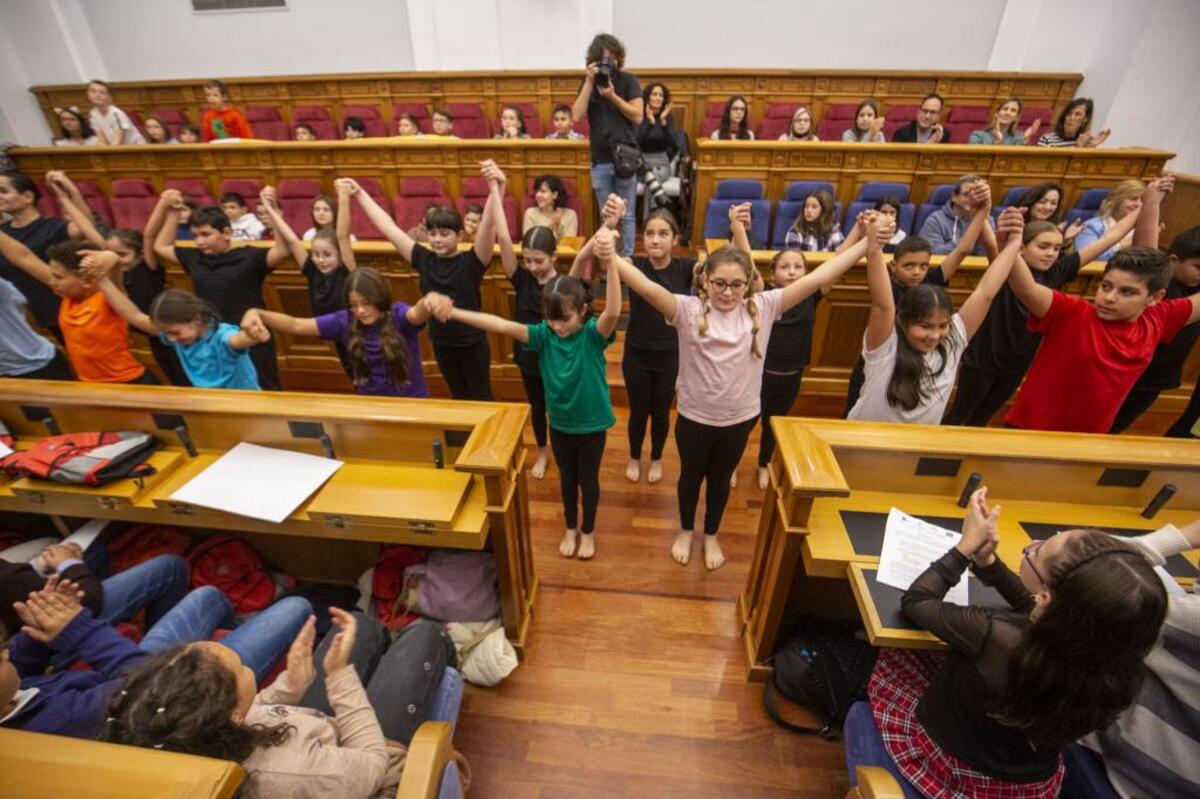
(833, 482)
(388, 492)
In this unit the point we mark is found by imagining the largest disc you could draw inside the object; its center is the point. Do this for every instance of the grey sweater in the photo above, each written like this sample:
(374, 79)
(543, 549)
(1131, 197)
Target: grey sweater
(1153, 749)
(942, 229)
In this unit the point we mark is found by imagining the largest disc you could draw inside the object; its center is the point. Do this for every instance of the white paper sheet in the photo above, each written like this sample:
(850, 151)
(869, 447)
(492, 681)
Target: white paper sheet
(909, 546)
(5, 450)
(259, 482)
(86, 534)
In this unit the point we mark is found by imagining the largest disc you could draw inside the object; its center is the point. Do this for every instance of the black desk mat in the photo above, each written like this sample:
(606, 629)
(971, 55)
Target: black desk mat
(865, 528)
(887, 600)
(1177, 565)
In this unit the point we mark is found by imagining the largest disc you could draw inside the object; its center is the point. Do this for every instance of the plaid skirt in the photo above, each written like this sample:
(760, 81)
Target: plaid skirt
(900, 679)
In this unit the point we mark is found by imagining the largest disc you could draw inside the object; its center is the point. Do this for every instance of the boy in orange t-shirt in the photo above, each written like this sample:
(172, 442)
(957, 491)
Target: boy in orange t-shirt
(221, 121)
(97, 338)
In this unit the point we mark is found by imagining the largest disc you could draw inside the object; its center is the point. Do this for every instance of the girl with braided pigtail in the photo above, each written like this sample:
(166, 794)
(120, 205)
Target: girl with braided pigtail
(723, 331)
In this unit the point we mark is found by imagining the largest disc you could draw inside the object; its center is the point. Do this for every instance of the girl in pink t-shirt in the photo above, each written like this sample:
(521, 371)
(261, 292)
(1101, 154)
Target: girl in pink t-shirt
(723, 332)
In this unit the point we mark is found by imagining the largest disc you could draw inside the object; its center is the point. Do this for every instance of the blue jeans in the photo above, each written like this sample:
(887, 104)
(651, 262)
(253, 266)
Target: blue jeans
(606, 182)
(157, 584)
(259, 641)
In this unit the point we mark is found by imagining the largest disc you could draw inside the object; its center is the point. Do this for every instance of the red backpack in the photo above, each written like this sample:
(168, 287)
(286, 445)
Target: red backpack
(234, 567)
(85, 458)
(388, 586)
(139, 544)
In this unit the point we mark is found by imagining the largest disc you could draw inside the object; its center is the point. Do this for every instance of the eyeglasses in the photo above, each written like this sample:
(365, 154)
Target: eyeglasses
(931, 110)
(1028, 553)
(721, 286)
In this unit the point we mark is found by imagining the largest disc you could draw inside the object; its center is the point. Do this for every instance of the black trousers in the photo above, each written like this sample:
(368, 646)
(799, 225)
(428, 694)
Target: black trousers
(650, 384)
(707, 454)
(59, 368)
(1137, 402)
(263, 356)
(535, 390)
(858, 376)
(979, 395)
(467, 370)
(578, 458)
(779, 393)
(1184, 424)
(168, 360)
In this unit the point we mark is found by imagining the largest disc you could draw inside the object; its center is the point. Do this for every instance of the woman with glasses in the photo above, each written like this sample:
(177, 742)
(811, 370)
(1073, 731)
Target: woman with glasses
(990, 717)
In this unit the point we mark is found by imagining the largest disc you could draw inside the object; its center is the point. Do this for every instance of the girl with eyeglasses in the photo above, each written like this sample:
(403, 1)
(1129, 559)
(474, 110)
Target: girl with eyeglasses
(990, 717)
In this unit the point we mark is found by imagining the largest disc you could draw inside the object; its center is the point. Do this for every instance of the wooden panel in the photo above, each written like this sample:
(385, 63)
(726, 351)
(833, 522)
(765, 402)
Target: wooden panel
(1181, 210)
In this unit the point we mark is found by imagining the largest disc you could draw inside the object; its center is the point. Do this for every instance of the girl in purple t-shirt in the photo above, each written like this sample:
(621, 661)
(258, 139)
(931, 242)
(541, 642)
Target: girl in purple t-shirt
(379, 334)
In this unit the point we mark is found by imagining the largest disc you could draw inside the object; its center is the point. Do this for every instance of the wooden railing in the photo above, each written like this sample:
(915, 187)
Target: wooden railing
(1181, 210)
(692, 90)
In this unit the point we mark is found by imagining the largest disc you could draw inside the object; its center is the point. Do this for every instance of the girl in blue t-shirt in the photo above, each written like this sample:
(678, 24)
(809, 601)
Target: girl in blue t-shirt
(381, 336)
(570, 347)
(214, 354)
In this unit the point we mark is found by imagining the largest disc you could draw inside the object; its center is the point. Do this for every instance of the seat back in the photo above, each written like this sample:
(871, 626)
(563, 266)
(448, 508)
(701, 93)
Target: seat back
(941, 194)
(307, 113)
(1013, 194)
(295, 197)
(716, 219)
(262, 113)
(47, 203)
(798, 190)
(362, 111)
(709, 125)
(195, 189)
(890, 126)
(874, 191)
(771, 128)
(33, 764)
(842, 111)
(416, 109)
(1046, 115)
(272, 130)
(475, 190)
(95, 200)
(416, 195)
(174, 117)
(375, 126)
(902, 113)
(1090, 200)
(969, 114)
(245, 187)
(472, 128)
(361, 227)
(132, 201)
(832, 129)
(326, 129)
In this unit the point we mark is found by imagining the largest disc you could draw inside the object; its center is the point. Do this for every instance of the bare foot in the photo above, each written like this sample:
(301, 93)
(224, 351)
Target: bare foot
(538, 470)
(654, 473)
(764, 477)
(587, 546)
(633, 471)
(733, 479)
(714, 558)
(567, 547)
(681, 550)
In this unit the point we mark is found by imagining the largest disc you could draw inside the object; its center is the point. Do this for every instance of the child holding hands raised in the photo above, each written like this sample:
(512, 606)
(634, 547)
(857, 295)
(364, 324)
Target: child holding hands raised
(570, 346)
(722, 333)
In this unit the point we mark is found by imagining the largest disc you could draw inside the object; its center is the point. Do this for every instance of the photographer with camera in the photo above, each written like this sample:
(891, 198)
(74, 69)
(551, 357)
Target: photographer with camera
(611, 99)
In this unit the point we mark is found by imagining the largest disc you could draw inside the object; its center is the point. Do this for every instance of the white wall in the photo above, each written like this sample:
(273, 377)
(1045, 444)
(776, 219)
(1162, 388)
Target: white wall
(1140, 59)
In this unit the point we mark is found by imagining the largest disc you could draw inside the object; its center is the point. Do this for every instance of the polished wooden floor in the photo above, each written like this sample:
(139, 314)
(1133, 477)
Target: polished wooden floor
(633, 685)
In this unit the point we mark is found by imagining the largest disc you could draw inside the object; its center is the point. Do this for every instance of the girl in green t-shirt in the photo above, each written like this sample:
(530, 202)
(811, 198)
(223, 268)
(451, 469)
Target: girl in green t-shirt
(570, 346)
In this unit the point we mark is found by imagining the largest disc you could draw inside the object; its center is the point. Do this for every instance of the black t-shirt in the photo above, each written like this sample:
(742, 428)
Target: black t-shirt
(606, 124)
(529, 312)
(654, 138)
(1004, 344)
(39, 235)
(231, 281)
(1166, 368)
(143, 284)
(790, 346)
(647, 329)
(457, 277)
(325, 291)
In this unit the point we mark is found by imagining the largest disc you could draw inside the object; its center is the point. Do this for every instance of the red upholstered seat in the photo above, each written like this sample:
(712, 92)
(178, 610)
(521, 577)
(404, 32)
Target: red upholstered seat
(307, 113)
(475, 190)
(902, 113)
(195, 189)
(96, 201)
(174, 117)
(360, 226)
(295, 197)
(970, 114)
(47, 204)
(262, 113)
(249, 189)
(326, 129)
(416, 195)
(840, 111)
(832, 129)
(132, 200)
(272, 130)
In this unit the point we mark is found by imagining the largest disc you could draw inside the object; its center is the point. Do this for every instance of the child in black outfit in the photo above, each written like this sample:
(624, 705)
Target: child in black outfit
(461, 351)
(228, 277)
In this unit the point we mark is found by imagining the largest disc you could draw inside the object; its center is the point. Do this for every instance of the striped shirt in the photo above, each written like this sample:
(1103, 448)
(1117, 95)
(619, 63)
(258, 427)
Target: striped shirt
(1052, 139)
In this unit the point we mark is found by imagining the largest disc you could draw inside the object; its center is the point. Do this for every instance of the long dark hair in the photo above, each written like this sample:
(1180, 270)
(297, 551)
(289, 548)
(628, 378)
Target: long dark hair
(372, 287)
(179, 307)
(85, 125)
(540, 238)
(1035, 195)
(1080, 663)
(520, 117)
(912, 381)
(823, 225)
(867, 103)
(333, 206)
(555, 186)
(744, 131)
(666, 97)
(1060, 126)
(182, 700)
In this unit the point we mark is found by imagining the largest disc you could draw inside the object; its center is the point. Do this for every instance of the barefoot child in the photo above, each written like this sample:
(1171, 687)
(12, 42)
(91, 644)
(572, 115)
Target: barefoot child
(380, 336)
(570, 347)
(912, 349)
(722, 333)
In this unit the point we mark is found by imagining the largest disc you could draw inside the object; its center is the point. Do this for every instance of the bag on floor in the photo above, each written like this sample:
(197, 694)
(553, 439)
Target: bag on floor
(139, 544)
(389, 590)
(825, 667)
(91, 459)
(234, 567)
(456, 586)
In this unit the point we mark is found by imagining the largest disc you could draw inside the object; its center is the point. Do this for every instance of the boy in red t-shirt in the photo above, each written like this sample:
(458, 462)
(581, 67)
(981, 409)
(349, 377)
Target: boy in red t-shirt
(221, 121)
(1091, 355)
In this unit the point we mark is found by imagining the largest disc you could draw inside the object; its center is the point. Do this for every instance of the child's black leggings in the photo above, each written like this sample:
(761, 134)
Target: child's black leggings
(650, 384)
(535, 389)
(578, 458)
(467, 370)
(168, 360)
(979, 395)
(711, 454)
(266, 365)
(779, 393)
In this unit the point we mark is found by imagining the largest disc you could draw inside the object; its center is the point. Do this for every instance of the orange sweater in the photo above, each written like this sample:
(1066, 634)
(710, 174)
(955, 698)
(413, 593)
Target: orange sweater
(228, 123)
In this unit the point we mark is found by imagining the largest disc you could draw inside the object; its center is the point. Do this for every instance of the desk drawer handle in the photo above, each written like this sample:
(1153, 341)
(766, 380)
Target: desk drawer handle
(421, 528)
(181, 509)
(339, 522)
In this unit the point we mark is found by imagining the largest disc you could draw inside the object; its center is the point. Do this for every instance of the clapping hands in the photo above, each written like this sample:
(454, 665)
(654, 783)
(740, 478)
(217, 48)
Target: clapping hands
(980, 535)
(47, 612)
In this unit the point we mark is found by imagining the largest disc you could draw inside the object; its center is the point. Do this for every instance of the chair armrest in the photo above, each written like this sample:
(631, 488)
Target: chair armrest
(875, 783)
(428, 753)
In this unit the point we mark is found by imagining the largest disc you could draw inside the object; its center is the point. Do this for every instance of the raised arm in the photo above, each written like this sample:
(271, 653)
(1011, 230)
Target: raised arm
(1146, 232)
(75, 207)
(24, 259)
(1131, 221)
(167, 215)
(739, 223)
(125, 308)
(286, 240)
(508, 256)
(605, 248)
(380, 218)
(580, 106)
(491, 323)
(610, 215)
(975, 309)
(882, 319)
(342, 229)
(256, 321)
(493, 211)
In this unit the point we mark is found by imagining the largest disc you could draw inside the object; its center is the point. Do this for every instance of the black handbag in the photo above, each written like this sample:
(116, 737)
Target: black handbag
(626, 159)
